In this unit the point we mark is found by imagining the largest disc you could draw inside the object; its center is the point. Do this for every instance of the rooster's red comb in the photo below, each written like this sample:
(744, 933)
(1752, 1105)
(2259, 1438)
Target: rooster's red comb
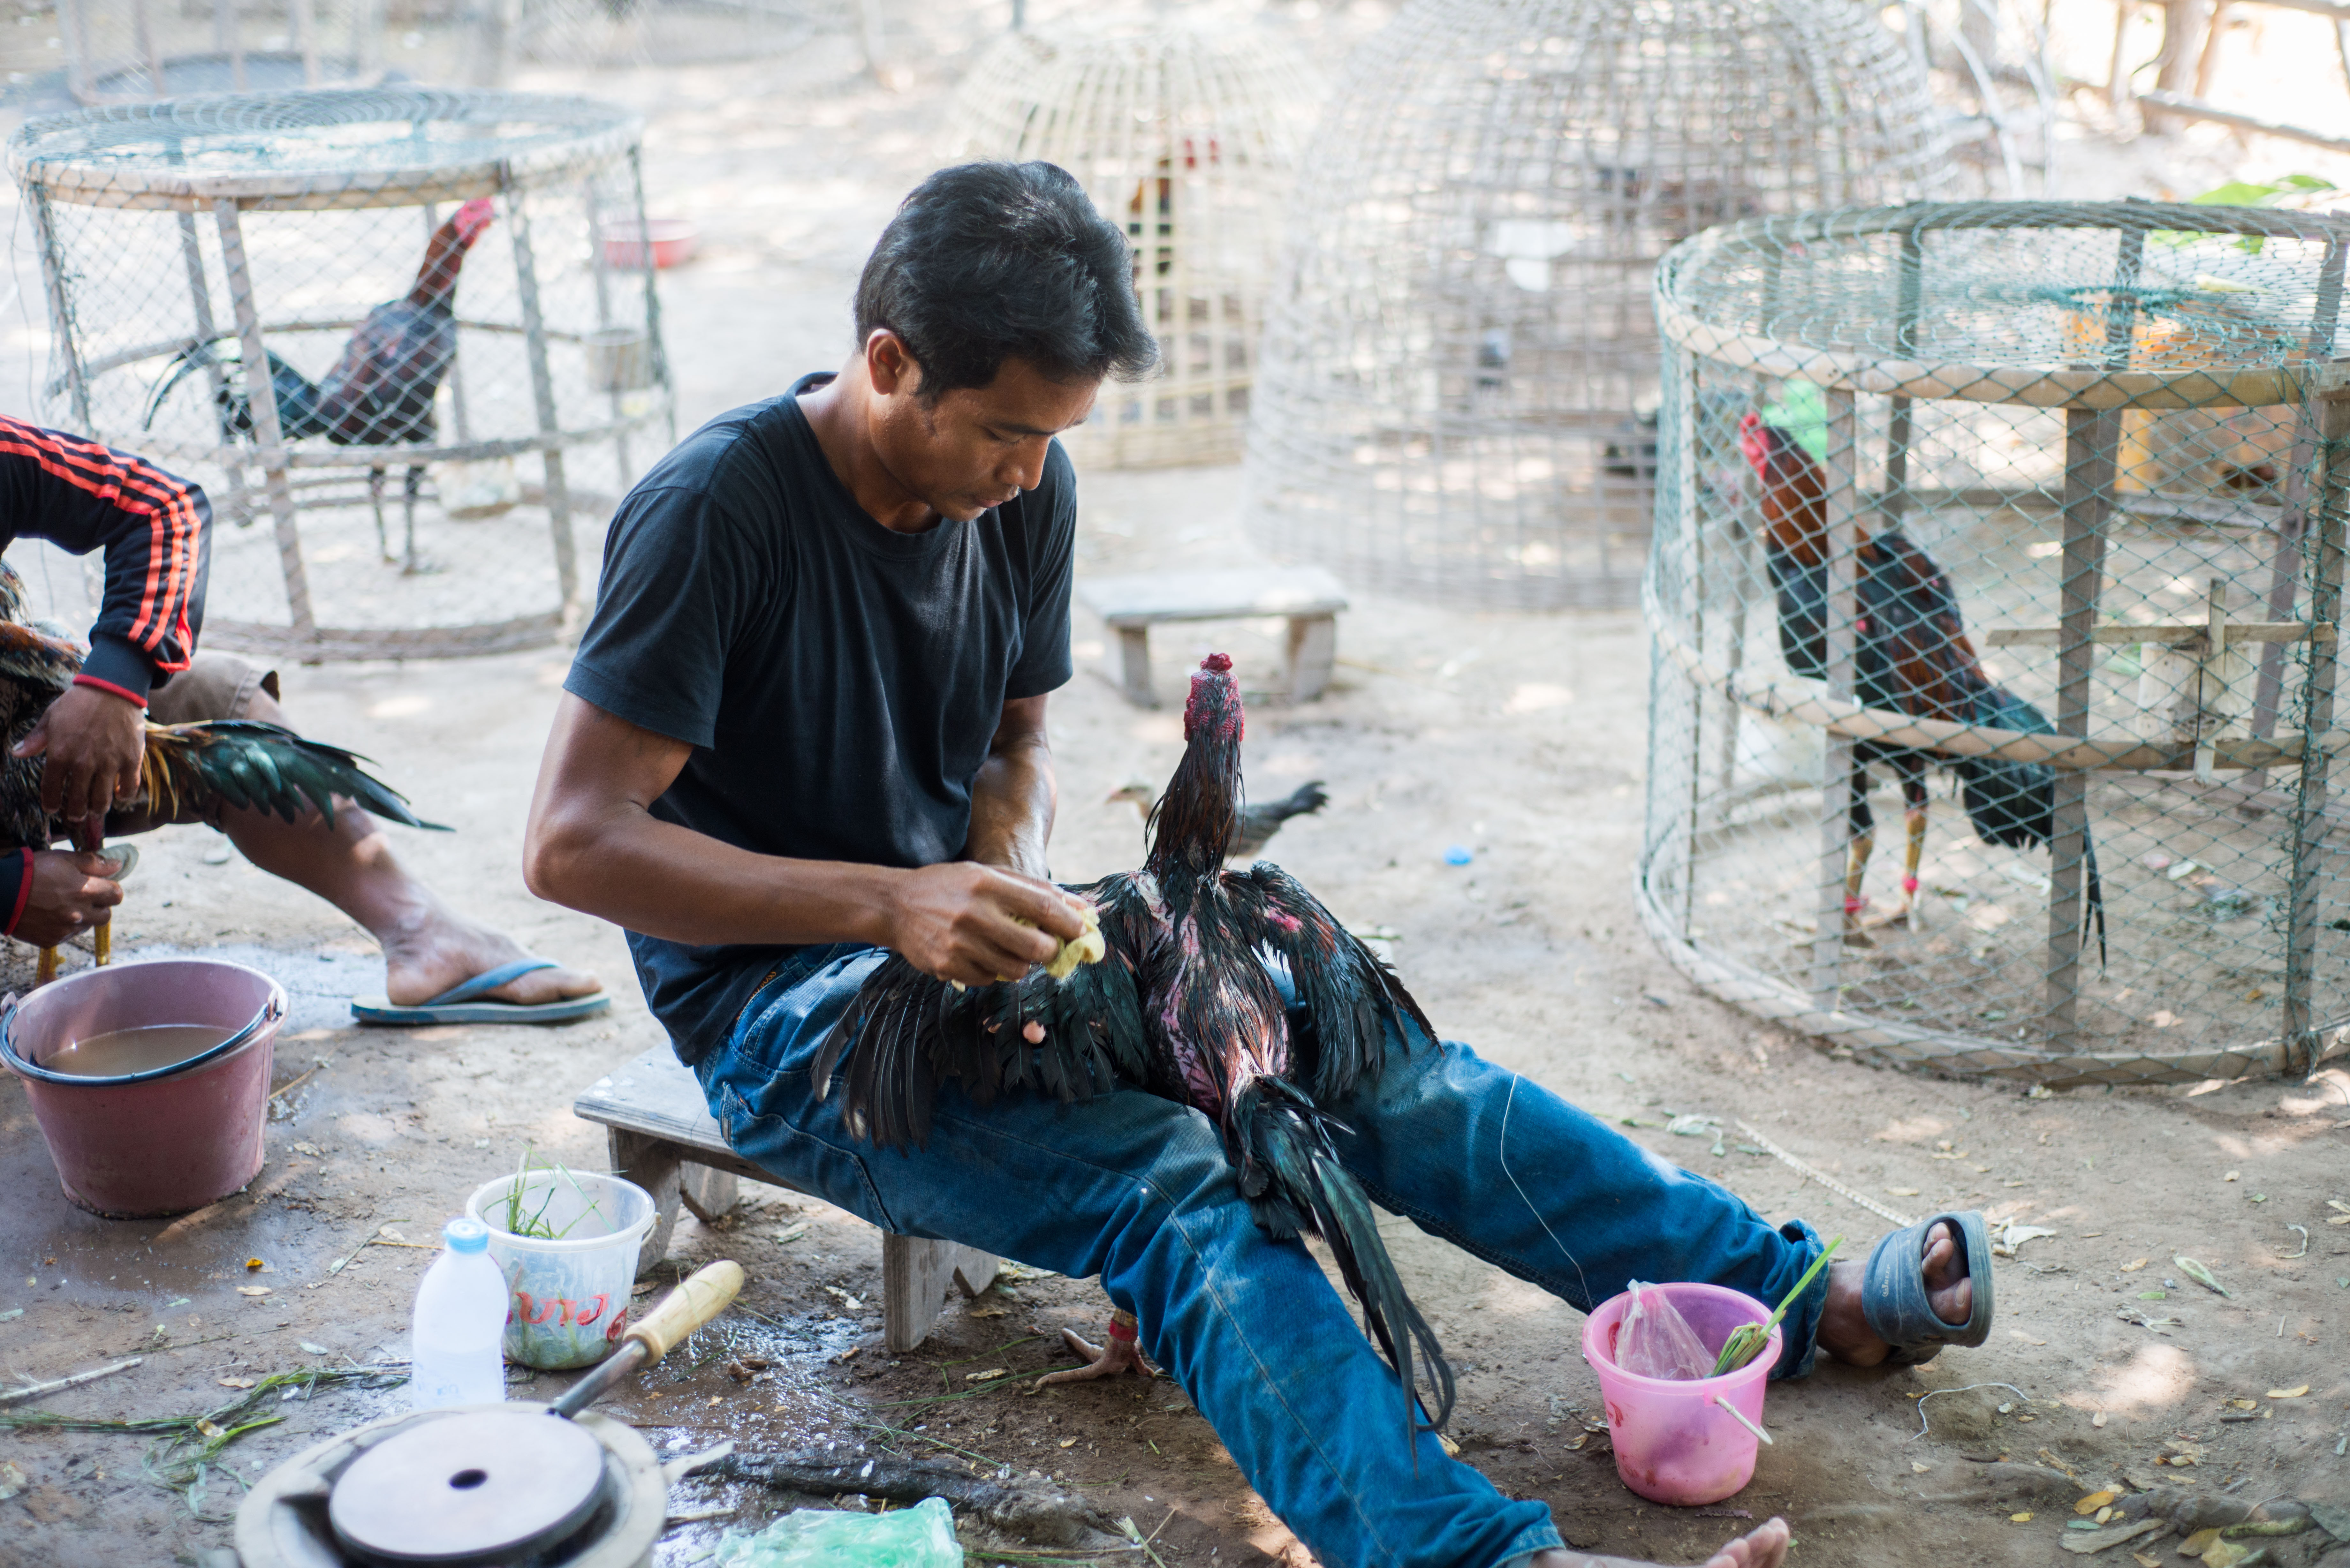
(1218, 663)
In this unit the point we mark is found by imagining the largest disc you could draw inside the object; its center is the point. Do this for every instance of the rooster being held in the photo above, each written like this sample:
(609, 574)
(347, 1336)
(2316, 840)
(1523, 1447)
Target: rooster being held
(1184, 1005)
(1912, 656)
(236, 762)
(381, 391)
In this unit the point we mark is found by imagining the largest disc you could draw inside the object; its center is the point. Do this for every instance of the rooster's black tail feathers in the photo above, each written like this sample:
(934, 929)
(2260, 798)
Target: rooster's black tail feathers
(1291, 1175)
(2014, 803)
(248, 764)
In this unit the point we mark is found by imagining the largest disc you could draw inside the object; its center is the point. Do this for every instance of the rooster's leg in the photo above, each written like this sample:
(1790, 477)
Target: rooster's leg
(45, 968)
(375, 498)
(1862, 823)
(101, 944)
(1121, 1352)
(1913, 801)
(408, 487)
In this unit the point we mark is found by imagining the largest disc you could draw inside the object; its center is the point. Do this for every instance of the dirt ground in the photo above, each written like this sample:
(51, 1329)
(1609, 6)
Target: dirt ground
(1517, 737)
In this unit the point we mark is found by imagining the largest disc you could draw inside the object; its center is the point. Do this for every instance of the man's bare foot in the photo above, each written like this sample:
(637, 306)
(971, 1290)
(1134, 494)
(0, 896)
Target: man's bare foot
(1112, 1356)
(1765, 1546)
(446, 950)
(1843, 1330)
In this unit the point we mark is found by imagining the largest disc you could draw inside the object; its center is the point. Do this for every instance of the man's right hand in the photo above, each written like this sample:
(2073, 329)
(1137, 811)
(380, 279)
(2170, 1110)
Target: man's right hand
(71, 892)
(964, 921)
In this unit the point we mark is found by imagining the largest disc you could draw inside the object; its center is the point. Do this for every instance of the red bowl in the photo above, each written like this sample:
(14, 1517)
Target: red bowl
(674, 240)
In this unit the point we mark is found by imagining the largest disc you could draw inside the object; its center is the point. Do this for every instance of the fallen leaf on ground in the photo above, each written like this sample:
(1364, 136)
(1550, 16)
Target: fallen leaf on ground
(2194, 1544)
(1917, 1469)
(2089, 1541)
(2294, 1393)
(1068, 1442)
(208, 1429)
(2245, 1404)
(234, 1382)
(2200, 1274)
(2019, 1333)
(2098, 1419)
(253, 1290)
(1903, 1191)
(991, 1310)
(2145, 1559)
(2094, 1501)
(985, 1377)
(255, 1263)
(2019, 1518)
(11, 1479)
(792, 1233)
(2132, 1268)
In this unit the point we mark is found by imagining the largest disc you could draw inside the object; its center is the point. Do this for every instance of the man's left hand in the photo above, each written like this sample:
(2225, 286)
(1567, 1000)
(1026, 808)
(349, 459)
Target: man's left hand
(94, 742)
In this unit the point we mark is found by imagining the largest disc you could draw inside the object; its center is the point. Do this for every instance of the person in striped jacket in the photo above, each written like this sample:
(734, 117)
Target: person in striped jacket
(154, 532)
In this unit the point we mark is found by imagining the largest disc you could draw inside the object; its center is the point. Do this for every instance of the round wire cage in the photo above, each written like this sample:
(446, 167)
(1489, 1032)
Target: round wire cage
(439, 284)
(2019, 525)
(1458, 393)
(1189, 136)
(130, 51)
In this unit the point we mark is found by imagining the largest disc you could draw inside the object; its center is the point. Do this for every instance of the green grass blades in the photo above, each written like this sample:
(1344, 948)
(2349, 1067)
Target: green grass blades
(1747, 1340)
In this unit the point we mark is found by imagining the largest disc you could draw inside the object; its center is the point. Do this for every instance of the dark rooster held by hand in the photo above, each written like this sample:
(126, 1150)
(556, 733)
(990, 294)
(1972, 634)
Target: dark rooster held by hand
(1183, 1006)
(1910, 655)
(381, 391)
(1257, 823)
(233, 762)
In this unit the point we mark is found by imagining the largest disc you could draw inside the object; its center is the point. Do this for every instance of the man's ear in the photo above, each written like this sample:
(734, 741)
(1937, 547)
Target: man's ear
(890, 370)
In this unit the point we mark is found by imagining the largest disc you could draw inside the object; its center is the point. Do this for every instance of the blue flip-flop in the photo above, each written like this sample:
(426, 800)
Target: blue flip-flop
(461, 1004)
(1893, 1289)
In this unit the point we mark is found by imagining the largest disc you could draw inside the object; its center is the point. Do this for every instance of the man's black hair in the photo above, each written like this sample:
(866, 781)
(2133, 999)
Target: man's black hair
(987, 261)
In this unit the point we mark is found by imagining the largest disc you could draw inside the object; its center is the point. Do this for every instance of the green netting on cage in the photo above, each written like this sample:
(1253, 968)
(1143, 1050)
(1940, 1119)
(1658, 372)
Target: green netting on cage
(1994, 596)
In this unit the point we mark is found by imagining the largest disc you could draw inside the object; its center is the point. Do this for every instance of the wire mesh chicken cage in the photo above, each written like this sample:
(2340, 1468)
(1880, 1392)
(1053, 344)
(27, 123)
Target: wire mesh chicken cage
(621, 33)
(1189, 136)
(439, 284)
(2020, 525)
(1458, 388)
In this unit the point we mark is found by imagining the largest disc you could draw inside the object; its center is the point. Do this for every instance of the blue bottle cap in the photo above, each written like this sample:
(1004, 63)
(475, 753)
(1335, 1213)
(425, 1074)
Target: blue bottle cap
(1458, 855)
(462, 1235)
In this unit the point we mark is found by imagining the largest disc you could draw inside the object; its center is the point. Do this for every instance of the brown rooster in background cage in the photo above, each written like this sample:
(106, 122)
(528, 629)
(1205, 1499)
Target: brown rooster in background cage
(1910, 655)
(382, 388)
(1182, 1003)
(237, 763)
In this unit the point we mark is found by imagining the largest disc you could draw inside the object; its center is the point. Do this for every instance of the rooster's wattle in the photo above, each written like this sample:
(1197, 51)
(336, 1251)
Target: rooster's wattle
(1184, 1006)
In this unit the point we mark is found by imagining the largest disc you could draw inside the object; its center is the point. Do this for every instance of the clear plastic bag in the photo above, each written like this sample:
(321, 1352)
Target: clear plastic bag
(1655, 1341)
(922, 1536)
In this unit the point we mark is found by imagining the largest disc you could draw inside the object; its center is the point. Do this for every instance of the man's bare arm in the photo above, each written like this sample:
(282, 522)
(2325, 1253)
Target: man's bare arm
(1013, 799)
(594, 844)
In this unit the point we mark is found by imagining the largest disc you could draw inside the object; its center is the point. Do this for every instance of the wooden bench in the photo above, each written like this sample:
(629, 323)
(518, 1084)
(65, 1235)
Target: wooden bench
(664, 1140)
(1130, 606)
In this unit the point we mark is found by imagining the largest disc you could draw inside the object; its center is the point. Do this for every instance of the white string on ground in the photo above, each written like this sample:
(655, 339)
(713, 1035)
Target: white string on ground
(1830, 1182)
(1503, 1148)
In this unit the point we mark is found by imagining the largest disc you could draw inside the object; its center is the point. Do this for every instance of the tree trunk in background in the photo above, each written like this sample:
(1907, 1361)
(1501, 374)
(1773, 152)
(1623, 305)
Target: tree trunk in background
(2183, 22)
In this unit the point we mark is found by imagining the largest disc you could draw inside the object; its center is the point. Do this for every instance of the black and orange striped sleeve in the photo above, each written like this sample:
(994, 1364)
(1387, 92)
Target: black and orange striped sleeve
(154, 527)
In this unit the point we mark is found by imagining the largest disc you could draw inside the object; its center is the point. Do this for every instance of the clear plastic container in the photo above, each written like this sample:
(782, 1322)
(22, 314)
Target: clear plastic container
(459, 1323)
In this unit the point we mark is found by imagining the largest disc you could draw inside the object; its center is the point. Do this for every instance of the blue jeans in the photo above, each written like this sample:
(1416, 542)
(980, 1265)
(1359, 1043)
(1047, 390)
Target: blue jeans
(1135, 1188)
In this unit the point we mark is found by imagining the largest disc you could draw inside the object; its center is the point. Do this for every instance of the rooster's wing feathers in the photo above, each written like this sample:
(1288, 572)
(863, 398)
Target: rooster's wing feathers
(906, 1032)
(1349, 996)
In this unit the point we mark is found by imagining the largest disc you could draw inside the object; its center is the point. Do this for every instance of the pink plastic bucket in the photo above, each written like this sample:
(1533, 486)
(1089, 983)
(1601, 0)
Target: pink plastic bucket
(1672, 1443)
(159, 1142)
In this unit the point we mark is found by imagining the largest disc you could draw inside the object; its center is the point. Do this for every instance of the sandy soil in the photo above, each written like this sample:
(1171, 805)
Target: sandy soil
(1517, 737)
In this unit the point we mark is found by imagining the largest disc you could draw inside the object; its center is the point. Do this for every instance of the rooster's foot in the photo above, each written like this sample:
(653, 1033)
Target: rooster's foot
(1121, 1352)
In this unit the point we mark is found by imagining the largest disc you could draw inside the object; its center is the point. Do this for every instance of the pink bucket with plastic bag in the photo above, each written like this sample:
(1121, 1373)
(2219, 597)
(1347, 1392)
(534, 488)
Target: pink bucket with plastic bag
(1675, 1441)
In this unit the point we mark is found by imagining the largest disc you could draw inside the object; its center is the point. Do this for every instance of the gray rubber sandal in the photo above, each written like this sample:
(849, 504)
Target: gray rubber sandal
(1893, 1289)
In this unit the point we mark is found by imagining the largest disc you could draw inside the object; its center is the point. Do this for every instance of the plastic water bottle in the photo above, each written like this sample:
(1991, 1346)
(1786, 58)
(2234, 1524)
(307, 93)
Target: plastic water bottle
(460, 1319)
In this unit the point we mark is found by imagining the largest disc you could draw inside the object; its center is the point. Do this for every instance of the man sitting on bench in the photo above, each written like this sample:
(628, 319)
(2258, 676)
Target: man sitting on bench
(806, 723)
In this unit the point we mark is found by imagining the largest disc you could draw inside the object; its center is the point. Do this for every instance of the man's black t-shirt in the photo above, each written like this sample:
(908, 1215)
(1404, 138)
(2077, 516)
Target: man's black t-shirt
(838, 682)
